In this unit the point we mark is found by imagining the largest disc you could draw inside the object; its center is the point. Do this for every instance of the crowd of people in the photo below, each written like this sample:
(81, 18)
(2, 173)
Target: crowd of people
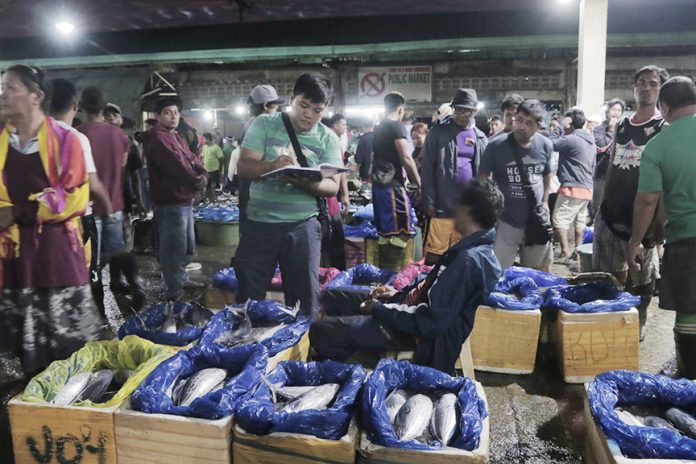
(485, 194)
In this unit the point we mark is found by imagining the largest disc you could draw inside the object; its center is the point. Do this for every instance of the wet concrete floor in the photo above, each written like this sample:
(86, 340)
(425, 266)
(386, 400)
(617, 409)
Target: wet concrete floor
(535, 419)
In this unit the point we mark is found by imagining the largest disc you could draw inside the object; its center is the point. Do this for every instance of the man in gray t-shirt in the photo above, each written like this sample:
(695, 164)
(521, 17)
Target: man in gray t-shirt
(498, 161)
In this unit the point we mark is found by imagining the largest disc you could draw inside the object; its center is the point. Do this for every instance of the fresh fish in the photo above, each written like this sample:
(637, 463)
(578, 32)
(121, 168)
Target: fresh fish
(200, 384)
(121, 376)
(240, 334)
(72, 388)
(628, 418)
(290, 393)
(176, 389)
(683, 421)
(413, 417)
(199, 315)
(658, 422)
(443, 421)
(260, 334)
(97, 385)
(291, 312)
(316, 398)
(394, 401)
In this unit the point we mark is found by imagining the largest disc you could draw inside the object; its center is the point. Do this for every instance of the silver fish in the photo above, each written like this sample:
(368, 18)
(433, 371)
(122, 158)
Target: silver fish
(240, 334)
(175, 390)
(97, 385)
(394, 401)
(316, 398)
(169, 324)
(200, 384)
(413, 417)
(628, 418)
(683, 421)
(72, 388)
(658, 422)
(443, 421)
(260, 334)
(290, 393)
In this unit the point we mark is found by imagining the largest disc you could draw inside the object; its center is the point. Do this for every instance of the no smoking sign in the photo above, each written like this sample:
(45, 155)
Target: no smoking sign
(372, 84)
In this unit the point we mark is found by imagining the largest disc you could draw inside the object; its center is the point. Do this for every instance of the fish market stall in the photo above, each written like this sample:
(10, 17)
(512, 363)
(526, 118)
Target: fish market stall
(176, 324)
(302, 413)
(68, 410)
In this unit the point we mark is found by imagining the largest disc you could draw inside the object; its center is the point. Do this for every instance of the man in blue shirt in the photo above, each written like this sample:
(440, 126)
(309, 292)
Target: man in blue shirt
(432, 316)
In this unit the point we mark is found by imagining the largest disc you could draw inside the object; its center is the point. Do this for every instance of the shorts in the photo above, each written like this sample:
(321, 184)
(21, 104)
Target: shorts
(509, 243)
(678, 283)
(441, 236)
(609, 255)
(568, 211)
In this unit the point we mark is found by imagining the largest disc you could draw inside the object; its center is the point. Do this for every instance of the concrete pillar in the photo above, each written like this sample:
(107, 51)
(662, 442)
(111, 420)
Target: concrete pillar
(592, 55)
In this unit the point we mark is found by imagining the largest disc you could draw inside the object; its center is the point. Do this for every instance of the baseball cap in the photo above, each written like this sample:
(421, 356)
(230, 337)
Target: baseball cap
(113, 107)
(264, 94)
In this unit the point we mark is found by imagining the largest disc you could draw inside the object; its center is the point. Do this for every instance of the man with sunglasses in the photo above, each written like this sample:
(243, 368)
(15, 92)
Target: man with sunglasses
(450, 159)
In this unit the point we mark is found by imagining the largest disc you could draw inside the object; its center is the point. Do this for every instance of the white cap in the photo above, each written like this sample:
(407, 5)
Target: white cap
(263, 94)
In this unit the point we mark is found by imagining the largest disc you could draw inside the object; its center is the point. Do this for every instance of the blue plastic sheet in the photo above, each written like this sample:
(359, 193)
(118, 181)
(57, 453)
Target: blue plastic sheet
(542, 279)
(365, 229)
(390, 375)
(623, 388)
(261, 313)
(366, 212)
(217, 214)
(594, 297)
(256, 412)
(147, 324)
(361, 277)
(226, 279)
(588, 235)
(519, 294)
(246, 364)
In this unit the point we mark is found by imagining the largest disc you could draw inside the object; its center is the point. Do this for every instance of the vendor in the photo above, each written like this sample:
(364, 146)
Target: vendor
(433, 316)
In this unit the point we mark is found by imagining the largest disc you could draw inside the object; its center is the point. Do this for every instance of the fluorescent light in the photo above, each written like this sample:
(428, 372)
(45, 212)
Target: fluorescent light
(65, 27)
(208, 115)
(364, 111)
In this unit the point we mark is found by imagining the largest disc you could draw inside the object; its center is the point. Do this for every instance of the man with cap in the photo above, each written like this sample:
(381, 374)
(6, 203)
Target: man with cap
(450, 159)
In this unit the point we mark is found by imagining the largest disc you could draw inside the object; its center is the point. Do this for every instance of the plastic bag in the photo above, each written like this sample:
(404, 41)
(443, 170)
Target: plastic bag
(217, 214)
(409, 274)
(542, 279)
(520, 294)
(261, 313)
(390, 375)
(366, 212)
(147, 324)
(226, 279)
(132, 353)
(256, 413)
(588, 235)
(245, 366)
(594, 297)
(365, 229)
(615, 388)
(326, 275)
(360, 277)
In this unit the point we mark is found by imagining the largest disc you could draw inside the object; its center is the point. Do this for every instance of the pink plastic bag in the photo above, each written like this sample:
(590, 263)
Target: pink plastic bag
(409, 273)
(326, 275)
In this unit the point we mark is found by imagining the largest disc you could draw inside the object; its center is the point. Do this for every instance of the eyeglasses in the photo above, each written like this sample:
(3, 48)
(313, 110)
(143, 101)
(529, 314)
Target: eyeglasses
(464, 111)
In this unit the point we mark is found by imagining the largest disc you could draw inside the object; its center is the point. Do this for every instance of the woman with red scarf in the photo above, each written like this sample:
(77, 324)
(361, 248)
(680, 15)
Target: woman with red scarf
(46, 308)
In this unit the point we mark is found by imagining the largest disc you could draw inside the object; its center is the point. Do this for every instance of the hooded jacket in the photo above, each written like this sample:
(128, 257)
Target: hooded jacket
(439, 166)
(460, 281)
(577, 158)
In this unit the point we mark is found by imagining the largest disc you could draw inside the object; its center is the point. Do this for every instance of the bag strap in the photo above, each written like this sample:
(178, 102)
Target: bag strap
(526, 183)
(301, 158)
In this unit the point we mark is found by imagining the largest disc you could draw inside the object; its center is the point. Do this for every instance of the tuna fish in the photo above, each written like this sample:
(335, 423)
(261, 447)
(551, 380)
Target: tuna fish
(240, 334)
(628, 418)
(443, 422)
(97, 386)
(290, 393)
(413, 417)
(658, 422)
(72, 388)
(200, 384)
(316, 398)
(259, 334)
(683, 421)
(175, 389)
(169, 325)
(394, 401)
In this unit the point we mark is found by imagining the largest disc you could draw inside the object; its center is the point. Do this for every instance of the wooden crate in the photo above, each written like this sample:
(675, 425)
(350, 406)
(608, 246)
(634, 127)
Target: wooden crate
(369, 453)
(163, 439)
(216, 298)
(589, 344)
(601, 450)
(505, 341)
(355, 251)
(297, 352)
(283, 448)
(47, 433)
(276, 295)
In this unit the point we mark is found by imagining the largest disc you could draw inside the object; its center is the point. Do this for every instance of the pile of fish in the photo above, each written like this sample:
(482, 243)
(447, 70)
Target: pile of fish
(423, 417)
(98, 387)
(183, 391)
(292, 399)
(673, 419)
(174, 322)
(244, 333)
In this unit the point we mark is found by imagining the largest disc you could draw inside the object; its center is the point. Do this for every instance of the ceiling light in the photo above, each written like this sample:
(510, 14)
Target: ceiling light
(480, 105)
(240, 110)
(65, 27)
(208, 115)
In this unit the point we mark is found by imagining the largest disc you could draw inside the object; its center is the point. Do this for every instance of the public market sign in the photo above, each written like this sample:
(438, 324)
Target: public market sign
(414, 82)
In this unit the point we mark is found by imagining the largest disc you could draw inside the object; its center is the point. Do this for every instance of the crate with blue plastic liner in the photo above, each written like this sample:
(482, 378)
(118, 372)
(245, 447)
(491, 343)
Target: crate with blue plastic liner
(639, 418)
(284, 331)
(217, 225)
(507, 326)
(413, 414)
(184, 411)
(596, 329)
(302, 413)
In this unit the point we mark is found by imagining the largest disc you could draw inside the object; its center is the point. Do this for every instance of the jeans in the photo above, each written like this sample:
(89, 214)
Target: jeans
(296, 246)
(110, 235)
(177, 244)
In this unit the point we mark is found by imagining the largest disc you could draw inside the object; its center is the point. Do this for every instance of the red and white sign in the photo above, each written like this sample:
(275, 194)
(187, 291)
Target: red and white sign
(414, 82)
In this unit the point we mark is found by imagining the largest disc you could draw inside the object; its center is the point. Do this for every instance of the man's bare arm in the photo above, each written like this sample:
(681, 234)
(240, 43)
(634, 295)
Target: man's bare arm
(407, 161)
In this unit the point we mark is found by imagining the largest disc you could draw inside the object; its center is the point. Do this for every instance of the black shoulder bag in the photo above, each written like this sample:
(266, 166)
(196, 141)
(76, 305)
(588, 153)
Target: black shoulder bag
(539, 230)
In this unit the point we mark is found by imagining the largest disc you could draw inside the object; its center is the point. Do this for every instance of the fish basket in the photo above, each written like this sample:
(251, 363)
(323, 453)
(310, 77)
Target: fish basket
(370, 453)
(602, 450)
(297, 352)
(589, 344)
(505, 341)
(164, 438)
(283, 448)
(222, 234)
(48, 433)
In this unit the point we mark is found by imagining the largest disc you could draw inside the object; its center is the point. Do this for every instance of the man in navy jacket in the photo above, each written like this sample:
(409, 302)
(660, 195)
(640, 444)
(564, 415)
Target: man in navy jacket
(435, 315)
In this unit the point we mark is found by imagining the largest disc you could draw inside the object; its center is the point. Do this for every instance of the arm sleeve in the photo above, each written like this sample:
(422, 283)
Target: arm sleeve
(361, 151)
(448, 297)
(255, 137)
(549, 158)
(168, 160)
(332, 153)
(650, 173)
(398, 131)
(428, 168)
(560, 144)
(487, 159)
